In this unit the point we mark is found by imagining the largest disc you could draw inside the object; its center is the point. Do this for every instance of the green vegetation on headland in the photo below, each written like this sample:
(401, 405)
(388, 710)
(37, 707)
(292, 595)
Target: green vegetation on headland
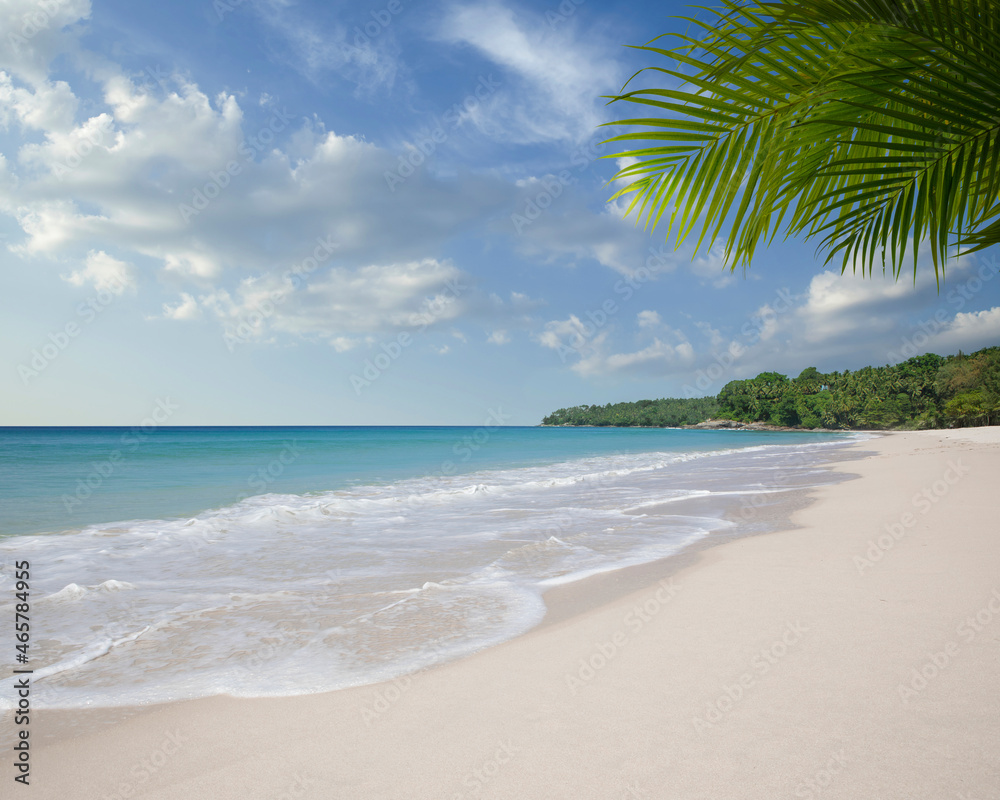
(928, 391)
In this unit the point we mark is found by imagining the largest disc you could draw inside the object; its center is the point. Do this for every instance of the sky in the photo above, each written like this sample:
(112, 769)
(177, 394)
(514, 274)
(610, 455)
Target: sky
(385, 213)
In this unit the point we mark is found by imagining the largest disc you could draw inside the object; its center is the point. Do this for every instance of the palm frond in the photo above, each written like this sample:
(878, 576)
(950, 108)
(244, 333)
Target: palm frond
(864, 123)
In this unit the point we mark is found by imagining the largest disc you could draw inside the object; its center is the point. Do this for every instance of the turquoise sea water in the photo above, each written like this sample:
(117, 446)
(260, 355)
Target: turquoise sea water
(182, 562)
(53, 479)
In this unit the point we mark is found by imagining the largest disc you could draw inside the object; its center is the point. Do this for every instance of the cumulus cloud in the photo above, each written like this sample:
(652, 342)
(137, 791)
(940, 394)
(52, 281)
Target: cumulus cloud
(43, 107)
(104, 273)
(658, 359)
(209, 193)
(186, 308)
(837, 322)
(967, 330)
(34, 33)
(188, 181)
(498, 338)
(587, 346)
(220, 198)
(342, 305)
(648, 319)
(844, 321)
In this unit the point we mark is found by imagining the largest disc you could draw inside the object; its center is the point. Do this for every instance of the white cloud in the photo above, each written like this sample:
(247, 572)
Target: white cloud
(341, 304)
(837, 322)
(968, 331)
(568, 229)
(498, 338)
(570, 334)
(846, 322)
(714, 336)
(837, 306)
(46, 106)
(586, 346)
(192, 186)
(659, 358)
(33, 34)
(555, 77)
(344, 343)
(153, 185)
(104, 273)
(208, 192)
(186, 309)
(316, 48)
(712, 267)
(648, 319)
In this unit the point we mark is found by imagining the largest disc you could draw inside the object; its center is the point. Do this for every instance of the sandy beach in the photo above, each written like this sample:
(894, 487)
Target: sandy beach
(856, 655)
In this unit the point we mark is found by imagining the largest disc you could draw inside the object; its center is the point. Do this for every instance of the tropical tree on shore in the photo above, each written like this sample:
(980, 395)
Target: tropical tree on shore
(926, 391)
(868, 126)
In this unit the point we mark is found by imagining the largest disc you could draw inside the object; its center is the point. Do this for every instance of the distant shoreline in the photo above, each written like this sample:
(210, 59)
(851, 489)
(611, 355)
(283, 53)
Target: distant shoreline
(759, 427)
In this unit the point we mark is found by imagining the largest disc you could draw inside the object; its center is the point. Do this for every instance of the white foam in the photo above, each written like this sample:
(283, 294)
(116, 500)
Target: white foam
(288, 594)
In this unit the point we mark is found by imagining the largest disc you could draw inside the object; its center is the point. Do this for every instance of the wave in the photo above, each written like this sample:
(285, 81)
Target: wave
(291, 594)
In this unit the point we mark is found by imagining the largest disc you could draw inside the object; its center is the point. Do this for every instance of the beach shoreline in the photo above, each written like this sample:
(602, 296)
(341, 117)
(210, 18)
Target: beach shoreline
(799, 639)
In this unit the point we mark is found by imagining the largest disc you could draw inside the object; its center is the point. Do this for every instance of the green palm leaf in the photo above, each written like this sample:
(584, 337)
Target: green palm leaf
(869, 124)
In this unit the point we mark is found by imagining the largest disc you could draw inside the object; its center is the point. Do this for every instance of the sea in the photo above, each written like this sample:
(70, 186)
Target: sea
(168, 563)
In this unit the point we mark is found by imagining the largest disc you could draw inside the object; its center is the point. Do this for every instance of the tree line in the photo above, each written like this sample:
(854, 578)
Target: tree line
(928, 391)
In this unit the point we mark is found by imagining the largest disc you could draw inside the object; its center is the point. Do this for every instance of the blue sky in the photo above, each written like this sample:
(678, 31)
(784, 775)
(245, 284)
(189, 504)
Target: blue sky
(376, 213)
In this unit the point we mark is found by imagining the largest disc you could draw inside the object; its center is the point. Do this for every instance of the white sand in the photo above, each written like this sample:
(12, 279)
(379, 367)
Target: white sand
(790, 648)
